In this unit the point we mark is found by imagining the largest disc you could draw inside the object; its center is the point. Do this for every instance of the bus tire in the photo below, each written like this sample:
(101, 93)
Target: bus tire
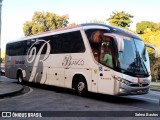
(20, 78)
(81, 86)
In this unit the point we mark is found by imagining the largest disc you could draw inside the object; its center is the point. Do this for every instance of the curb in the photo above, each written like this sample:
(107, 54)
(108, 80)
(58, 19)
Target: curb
(9, 93)
(155, 87)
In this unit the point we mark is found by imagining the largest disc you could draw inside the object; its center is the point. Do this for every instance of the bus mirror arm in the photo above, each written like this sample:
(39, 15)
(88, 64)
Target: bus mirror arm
(117, 38)
(155, 49)
(120, 44)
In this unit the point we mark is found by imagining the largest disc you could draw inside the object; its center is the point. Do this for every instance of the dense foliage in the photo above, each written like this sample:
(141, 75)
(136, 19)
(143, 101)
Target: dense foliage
(44, 21)
(120, 19)
(146, 26)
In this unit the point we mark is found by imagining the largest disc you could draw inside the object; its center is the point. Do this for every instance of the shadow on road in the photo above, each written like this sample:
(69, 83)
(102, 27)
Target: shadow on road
(99, 97)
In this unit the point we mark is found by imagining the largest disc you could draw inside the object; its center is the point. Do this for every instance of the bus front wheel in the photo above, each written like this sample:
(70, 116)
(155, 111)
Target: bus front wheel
(81, 86)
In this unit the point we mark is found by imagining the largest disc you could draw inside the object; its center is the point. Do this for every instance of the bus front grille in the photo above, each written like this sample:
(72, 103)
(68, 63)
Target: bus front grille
(139, 84)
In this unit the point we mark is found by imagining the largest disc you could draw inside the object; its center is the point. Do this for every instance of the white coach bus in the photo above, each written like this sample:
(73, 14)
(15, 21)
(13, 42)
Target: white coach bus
(88, 57)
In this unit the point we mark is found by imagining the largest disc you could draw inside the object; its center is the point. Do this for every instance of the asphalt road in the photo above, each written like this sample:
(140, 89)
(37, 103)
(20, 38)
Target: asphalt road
(48, 98)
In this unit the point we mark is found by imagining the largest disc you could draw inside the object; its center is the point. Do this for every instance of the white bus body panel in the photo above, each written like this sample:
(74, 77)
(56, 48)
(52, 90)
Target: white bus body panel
(59, 69)
(56, 70)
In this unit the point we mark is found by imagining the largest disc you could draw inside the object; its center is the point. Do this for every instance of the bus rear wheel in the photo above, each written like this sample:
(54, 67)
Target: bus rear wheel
(20, 78)
(81, 86)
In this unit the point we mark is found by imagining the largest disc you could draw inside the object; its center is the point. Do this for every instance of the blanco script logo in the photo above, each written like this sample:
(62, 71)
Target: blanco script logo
(32, 57)
(68, 61)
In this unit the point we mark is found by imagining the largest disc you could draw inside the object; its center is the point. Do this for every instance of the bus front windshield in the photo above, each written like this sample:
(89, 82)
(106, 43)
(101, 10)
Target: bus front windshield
(134, 59)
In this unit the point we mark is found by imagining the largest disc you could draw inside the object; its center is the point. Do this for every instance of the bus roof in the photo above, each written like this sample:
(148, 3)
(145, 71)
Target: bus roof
(111, 29)
(114, 29)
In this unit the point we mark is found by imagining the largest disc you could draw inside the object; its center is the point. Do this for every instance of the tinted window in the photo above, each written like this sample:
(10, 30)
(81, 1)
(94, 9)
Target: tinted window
(16, 48)
(71, 42)
(38, 44)
(134, 59)
(129, 53)
(143, 56)
(28, 45)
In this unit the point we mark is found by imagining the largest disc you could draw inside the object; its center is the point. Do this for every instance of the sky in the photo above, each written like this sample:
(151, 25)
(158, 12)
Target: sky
(16, 12)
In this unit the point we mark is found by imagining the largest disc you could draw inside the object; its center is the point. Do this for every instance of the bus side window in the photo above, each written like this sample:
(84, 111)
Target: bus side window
(20, 48)
(28, 45)
(16, 48)
(77, 44)
(71, 42)
(8, 49)
(95, 37)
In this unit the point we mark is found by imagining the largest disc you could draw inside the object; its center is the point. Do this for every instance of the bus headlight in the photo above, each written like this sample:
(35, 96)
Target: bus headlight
(122, 80)
(125, 81)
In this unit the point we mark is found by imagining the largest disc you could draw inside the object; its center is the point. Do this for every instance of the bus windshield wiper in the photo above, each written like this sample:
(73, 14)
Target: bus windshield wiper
(140, 63)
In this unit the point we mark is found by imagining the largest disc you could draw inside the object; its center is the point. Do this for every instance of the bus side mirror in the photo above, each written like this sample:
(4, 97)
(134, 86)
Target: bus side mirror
(155, 49)
(119, 40)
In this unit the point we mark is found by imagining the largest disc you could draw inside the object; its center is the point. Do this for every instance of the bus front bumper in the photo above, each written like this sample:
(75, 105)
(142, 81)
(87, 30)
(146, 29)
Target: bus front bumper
(128, 90)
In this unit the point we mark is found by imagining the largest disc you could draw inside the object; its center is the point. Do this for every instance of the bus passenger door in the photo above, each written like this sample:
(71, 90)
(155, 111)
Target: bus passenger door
(102, 81)
(105, 79)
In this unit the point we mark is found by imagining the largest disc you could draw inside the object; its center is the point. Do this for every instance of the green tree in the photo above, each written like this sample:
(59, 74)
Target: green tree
(156, 27)
(44, 21)
(120, 19)
(141, 27)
